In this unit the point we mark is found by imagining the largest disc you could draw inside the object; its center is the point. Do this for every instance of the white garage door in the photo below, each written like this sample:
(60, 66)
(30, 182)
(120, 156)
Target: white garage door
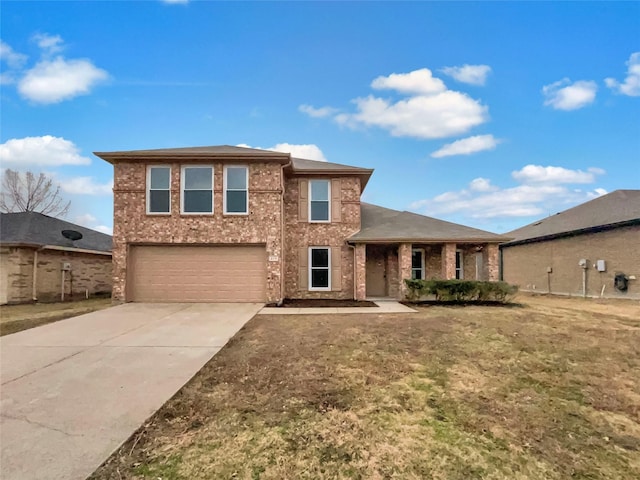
(197, 274)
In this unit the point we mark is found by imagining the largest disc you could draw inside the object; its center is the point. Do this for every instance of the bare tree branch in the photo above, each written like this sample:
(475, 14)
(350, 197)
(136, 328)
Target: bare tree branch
(30, 193)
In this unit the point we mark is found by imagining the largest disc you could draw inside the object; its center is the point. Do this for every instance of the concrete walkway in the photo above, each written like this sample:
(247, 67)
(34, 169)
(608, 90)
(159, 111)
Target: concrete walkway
(74, 390)
(383, 306)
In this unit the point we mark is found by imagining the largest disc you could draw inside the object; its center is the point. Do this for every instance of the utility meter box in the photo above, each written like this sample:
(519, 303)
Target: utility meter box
(601, 265)
(66, 266)
(583, 262)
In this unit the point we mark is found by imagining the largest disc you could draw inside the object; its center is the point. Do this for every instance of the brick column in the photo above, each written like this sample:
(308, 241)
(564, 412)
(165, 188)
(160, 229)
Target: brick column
(360, 278)
(404, 268)
(493, 266)
(449, 261)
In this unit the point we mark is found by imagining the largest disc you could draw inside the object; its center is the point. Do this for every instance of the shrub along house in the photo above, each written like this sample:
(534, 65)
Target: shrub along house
(233, 224)
(38, 263)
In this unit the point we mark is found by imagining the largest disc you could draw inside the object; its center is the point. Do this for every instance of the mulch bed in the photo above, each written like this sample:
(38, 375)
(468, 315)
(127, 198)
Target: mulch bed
(322, 302)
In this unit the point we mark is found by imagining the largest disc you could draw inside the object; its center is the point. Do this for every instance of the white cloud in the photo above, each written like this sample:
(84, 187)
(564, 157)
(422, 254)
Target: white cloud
(317, 112)
(536, 174)
(85, 220)
(539, 192)
(103, 229)
(467, 146)
(631, 84)
(49, 44)
(52, 81)
(41, 151)
(564, 95)
(420, 82)
(86, 186)
(471, 74)
(13, 59)
(305, 151)
(481, 185)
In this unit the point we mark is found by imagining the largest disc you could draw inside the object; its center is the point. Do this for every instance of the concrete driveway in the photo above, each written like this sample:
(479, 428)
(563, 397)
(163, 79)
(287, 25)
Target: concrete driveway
(73, 391)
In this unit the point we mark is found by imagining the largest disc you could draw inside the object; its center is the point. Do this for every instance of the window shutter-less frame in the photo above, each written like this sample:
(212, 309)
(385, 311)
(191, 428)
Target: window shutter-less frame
(336, 269)
(336, 200)
(303, 268)
(303, 200)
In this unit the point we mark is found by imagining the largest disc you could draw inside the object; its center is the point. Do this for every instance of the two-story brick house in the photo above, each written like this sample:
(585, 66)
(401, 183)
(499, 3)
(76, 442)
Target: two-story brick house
(233, 224)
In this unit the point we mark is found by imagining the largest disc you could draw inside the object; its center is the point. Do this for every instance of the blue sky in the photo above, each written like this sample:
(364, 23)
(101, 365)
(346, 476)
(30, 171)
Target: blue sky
(488, 114)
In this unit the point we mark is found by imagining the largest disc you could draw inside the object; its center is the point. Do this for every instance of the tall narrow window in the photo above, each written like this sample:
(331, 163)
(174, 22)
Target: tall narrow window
(319, 268)
(197, 189)
(319, 209)
(417, 264)
(459, 265)
(236, 192)
(159, 190)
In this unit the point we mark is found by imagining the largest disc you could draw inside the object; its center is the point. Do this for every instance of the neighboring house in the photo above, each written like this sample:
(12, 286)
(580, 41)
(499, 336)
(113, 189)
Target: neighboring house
(216, 224)
(38, 263)
(580, 251)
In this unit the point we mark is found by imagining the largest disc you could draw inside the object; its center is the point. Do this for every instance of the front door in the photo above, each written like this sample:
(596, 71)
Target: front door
(376, 275)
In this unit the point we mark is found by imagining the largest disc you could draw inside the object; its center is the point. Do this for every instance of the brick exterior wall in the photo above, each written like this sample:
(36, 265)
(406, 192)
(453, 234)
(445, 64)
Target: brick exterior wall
(526, 265)
(361, 272)
(89, 273)
(302, 234)
(404, 264)
(133, 226)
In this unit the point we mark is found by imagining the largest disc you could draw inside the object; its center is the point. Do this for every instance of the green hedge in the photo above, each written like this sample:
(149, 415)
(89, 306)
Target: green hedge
(460, 290)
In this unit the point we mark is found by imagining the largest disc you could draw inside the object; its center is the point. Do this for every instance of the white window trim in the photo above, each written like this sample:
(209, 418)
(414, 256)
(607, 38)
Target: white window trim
(422, 266)
(182, 169)
(328, 287)
(148, 190)
(224, 189)
(328, 220)
(461, 269)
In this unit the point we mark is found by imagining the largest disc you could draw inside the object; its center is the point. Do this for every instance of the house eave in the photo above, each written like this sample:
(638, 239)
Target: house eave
(424, 241)
(39, 246)
(142, 157)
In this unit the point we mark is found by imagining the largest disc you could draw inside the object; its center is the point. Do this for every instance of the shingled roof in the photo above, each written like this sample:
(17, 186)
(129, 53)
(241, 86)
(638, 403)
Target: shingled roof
(618, 208)
(381, 224)
(316, 167)
(195, 153)
(36, 229)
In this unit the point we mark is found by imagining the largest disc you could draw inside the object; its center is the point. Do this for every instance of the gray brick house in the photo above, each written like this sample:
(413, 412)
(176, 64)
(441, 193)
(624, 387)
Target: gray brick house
(222, 223)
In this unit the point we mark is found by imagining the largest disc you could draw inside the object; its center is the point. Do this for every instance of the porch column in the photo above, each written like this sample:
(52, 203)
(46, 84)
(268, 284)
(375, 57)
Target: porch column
(404, 268)
(493, 267)
(360, 271)
(449, 261)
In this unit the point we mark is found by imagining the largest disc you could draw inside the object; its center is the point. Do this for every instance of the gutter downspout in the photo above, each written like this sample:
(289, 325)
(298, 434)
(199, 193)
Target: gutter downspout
(282, 237)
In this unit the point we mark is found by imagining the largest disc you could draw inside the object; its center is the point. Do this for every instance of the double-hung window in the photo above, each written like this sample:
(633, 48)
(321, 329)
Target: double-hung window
(236, 190)
(417, 264)
(459, 265)
(319, 268)
(159, 190)
(197, 189)
(319, 207)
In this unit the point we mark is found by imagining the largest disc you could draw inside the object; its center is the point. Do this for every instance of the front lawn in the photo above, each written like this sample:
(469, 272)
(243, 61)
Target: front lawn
(547, 391)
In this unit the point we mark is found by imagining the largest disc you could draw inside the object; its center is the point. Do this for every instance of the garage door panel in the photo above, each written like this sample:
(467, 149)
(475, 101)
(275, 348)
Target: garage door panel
(198, 274)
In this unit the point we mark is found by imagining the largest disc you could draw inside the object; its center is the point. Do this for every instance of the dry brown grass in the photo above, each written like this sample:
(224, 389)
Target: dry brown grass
(15, 318)
(547, 391)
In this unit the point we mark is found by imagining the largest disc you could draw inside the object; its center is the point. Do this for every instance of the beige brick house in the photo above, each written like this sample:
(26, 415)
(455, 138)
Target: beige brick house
(226, 223)
(580, 251)
(38, 263)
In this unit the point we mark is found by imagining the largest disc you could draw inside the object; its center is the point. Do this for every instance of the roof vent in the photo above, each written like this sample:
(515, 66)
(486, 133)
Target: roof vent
(72, 235)
(537, 223)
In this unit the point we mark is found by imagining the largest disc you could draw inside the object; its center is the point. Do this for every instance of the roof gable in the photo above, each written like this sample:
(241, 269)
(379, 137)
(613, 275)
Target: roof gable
(384, 224)
(36, 229)
(617, 207)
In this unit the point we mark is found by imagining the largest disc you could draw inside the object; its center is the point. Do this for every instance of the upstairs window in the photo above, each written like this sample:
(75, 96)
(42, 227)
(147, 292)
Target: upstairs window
(319, 268)
(197, 190)
(417, 264)
(319, 209)
(159, 190)
(236, 191)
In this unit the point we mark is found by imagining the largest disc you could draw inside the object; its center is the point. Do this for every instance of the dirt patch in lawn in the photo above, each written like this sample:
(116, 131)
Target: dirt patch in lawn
(544, 391)
(322, 302)
(15, 318)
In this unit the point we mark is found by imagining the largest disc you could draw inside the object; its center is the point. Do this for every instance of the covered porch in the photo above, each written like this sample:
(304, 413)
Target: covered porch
(381, 268)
